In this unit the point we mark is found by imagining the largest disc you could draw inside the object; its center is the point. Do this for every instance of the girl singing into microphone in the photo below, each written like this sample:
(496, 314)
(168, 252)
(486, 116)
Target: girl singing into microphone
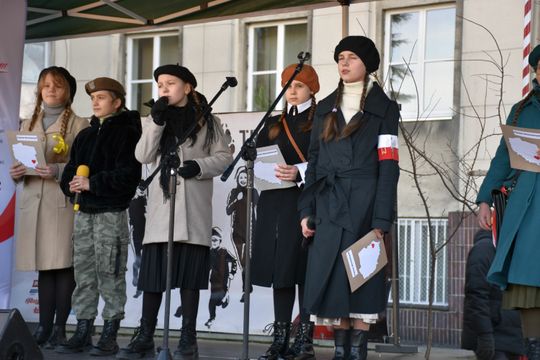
(203, 156)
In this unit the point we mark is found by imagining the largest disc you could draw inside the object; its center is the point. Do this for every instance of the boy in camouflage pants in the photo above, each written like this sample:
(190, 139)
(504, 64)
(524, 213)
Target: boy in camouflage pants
(101, 232)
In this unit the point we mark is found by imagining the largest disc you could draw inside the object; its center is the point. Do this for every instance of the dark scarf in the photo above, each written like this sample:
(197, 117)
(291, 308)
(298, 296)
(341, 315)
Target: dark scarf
(178, 120)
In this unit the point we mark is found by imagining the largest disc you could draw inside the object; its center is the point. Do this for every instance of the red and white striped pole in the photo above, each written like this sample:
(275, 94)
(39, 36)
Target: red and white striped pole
(526, 45)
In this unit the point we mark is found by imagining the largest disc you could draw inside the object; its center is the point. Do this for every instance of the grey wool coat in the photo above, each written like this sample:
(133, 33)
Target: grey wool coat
(193, 207)
(349, 191)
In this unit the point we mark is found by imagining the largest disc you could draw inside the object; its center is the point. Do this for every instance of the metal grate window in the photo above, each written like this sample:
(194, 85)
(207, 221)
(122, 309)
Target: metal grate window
(414, 261)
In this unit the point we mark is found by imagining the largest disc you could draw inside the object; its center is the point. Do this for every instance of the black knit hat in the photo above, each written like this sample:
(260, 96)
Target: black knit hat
(534, 56)
(179, 71)
(65, 74)
(363, 47)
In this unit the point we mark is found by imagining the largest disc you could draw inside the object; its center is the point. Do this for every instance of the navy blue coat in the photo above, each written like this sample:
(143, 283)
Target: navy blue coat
(350, 192)
(278, 258)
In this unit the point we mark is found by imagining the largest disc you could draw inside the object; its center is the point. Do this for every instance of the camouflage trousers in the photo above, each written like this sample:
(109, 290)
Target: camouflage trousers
(100, 247)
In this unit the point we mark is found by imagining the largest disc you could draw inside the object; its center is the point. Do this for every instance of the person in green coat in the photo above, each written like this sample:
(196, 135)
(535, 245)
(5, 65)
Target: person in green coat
(516, 268)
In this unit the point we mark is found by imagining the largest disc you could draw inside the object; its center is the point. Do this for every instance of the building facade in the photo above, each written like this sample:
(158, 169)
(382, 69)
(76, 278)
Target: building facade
(454, 66)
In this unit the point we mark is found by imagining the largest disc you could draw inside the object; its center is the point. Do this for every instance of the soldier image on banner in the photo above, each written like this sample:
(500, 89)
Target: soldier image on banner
(137, 224)
(222, 271)
(236, 209)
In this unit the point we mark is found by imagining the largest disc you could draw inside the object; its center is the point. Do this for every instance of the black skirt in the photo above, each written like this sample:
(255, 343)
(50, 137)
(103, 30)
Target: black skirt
(190, 270)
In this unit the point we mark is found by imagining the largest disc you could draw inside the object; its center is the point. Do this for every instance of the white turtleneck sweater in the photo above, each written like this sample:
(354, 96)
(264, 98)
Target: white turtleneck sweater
(350, 100)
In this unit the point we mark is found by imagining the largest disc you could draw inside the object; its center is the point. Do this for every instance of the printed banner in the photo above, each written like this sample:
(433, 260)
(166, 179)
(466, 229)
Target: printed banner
(12, 30)
(220, 308)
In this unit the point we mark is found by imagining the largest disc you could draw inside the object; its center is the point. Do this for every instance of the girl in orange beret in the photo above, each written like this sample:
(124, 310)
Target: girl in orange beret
(278, 257)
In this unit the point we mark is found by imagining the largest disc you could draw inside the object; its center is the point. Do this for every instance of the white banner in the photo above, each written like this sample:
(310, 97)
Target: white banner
(12, 32)
(227, 305)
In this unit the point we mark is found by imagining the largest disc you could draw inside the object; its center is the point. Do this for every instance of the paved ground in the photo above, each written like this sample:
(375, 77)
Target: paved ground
(231, 349)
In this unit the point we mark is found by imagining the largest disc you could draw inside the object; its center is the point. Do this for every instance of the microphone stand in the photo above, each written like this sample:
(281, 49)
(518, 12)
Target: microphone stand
(172, 162)
(248, 153)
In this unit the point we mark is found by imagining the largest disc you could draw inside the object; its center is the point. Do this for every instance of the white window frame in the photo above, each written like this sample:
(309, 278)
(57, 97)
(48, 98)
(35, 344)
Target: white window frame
(280, 52)
(414, 268)
(155, 62)
(421, 54)
(46, 60)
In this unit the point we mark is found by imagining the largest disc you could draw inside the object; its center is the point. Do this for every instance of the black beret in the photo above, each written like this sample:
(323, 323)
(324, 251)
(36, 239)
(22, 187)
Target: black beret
(179, 71)
(65, 74)
(534, 56)
(105, 83)
(363, 47)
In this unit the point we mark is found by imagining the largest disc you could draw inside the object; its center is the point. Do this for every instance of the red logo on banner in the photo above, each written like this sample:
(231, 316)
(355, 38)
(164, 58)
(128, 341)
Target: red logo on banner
(7, 220)
(3, 67)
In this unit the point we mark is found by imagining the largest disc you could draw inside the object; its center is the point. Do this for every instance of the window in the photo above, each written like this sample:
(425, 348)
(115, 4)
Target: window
(145, 53)
(420, 61)
(414, 262)
(271, 48)
(36, 58)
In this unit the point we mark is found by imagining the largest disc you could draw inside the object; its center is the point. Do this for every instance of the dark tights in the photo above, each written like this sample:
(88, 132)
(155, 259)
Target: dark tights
(284, 303)
(190, 305)
(55, 288)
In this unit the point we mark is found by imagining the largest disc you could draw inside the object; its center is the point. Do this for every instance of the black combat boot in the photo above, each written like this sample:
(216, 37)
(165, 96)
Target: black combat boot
(57, 337)
(81, 339)
(533, 348)
(107, 344)
(41, 334)
(187, 346)
(302, 348)
(280, 344)
(340, 338)
(142, 342)
(359, 340)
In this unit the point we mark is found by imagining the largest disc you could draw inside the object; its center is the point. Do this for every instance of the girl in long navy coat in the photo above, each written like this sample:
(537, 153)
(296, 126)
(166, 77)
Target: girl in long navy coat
(351, 183)
(516, 266)
(278, 258)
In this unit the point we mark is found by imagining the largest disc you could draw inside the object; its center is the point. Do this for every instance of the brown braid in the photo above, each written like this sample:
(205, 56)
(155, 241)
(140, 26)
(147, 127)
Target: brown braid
(37, 110)
(275, 128)
(330, 130)
(211, 136)
(356, 122)
(309, 123)
(65, 119)
(520, 107)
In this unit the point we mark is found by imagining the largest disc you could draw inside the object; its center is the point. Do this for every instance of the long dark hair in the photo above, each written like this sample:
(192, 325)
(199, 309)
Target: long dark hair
(331, 130)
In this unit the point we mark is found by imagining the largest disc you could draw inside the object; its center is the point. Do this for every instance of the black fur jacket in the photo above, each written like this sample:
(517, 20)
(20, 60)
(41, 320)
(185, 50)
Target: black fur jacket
(108, 149)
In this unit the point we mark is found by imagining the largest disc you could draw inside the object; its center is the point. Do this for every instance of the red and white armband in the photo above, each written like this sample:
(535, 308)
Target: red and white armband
(388, 147)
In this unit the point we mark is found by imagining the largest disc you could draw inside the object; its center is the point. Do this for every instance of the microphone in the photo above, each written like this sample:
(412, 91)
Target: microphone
(82, 170)
(303, 56)
(230, 81)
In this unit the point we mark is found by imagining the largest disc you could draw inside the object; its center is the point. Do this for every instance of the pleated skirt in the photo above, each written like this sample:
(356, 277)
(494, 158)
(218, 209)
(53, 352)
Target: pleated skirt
(190, 268)
(521, 297)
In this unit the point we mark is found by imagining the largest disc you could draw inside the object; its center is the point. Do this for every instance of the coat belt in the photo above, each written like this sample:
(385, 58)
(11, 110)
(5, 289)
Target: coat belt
(328, 182)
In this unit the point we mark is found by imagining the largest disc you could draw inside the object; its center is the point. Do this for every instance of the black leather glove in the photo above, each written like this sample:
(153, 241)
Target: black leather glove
(485, 347)
(189, 170)
(158, 109)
